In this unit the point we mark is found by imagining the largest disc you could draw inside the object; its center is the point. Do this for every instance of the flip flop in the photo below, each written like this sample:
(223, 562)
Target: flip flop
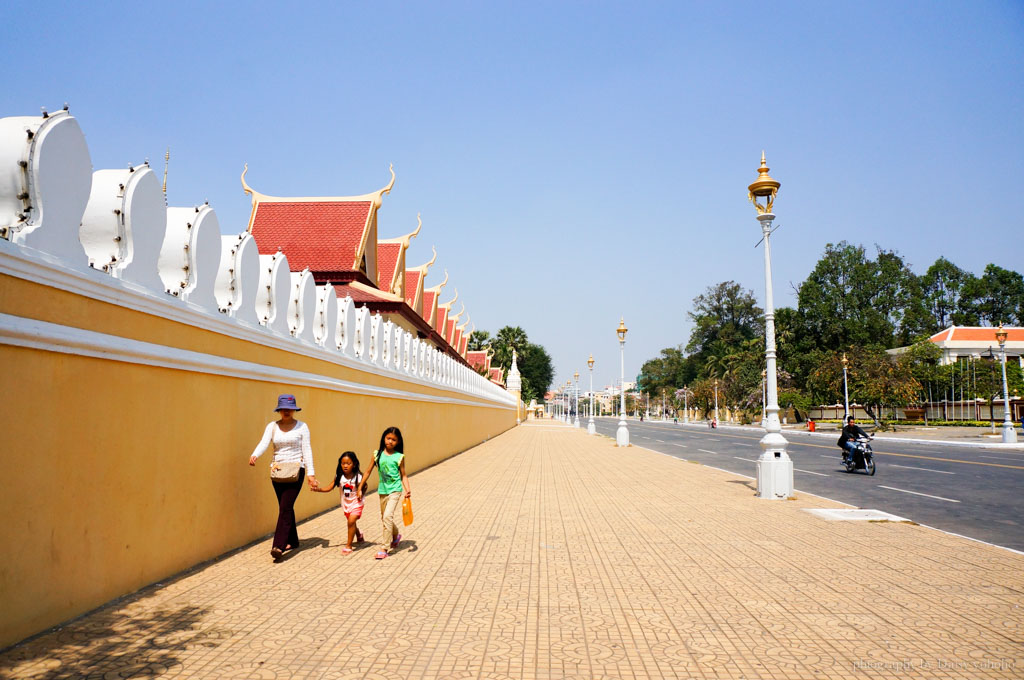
(398, 539)
(276, 553)
(345, 551)
(380, 555)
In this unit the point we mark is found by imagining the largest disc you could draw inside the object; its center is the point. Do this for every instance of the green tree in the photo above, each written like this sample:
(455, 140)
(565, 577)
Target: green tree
(996, 297)
(849, 299)
(478, 340)
(668, 371)
(507, 339)
(876, 379)
(723, 314)
(536, 370)
(922, 358)
(942, 288)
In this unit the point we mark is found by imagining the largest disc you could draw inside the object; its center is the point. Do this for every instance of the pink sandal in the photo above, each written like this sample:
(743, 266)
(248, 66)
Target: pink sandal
(398, 539)
(380, 555)
(345, 551)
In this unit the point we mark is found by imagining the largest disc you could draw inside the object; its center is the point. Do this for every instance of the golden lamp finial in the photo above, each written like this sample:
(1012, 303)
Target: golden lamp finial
(764, 187)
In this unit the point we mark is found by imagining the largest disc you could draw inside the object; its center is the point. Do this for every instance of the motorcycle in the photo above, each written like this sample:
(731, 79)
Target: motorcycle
(861, 458)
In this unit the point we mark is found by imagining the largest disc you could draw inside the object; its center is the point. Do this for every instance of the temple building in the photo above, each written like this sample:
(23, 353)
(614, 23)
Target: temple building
(336, 239)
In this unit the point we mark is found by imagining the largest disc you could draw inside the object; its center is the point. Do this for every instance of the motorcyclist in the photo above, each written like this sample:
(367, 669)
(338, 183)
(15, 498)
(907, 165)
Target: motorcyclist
(848, 439)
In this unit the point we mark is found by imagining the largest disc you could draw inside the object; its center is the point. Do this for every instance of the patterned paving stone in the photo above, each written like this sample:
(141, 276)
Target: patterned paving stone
(535, 558)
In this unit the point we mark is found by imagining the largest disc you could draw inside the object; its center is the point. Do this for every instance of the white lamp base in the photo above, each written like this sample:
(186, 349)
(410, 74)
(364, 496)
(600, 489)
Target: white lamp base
(622, 434)
(774, 469)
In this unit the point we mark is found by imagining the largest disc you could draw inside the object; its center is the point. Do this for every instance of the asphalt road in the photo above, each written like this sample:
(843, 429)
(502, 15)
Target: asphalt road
(974, 492)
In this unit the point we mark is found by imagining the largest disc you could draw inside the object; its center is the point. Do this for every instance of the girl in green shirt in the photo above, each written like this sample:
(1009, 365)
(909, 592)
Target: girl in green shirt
(389, 460)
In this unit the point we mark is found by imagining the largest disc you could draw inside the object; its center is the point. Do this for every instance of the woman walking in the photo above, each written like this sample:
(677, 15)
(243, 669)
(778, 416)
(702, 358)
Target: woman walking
(293, 459)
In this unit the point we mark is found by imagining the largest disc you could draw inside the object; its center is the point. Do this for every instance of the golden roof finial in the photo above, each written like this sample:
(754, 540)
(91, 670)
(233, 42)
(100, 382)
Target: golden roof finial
(461, 311)
(386, 190)
(430, 264)
(452, 301)
(438, 287)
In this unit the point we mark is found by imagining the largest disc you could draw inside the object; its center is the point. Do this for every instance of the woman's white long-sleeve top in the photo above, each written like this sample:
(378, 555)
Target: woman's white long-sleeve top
(289, 447)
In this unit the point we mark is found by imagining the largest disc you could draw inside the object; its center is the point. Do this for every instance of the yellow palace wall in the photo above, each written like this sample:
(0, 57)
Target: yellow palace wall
(119, 473)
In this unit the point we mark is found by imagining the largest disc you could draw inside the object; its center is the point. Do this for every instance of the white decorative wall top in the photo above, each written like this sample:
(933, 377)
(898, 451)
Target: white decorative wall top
(108, 235)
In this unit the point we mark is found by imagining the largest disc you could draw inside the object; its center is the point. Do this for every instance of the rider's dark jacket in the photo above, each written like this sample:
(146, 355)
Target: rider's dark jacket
(851, 432)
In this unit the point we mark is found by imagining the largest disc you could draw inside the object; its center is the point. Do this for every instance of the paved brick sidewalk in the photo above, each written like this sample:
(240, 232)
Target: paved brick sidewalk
(546, 553)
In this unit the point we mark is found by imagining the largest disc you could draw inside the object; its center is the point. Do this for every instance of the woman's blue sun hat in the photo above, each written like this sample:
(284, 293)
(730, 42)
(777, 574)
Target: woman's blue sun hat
(286, 401)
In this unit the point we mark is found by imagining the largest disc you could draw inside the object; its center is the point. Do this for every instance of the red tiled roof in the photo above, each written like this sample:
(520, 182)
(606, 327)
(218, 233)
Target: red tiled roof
(321, 235)
(464, 344)
(496, 374)
(981, 334)
(359, 295)
(449, 331)
(428, 304)
(477, 359)
(440, 321)
(387, 260)
(412, 280)
(457, 340)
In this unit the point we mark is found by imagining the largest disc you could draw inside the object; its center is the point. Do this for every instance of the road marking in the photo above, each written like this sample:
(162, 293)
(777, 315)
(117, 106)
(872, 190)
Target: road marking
(712, 440)
(660, 441)
(681, 445)
(746, 459)
(811, 473)
(739, 444)
(892, 488)
(886, 453)
(909, 467)
(713, 453)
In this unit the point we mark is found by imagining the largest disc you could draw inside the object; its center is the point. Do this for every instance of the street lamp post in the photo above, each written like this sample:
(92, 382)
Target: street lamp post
(1009, 434)
(774, 467)
(716, 401)
(622, 434)
(591, 428)
(764, 397)
(686, 404)
(846, 389)
(568, 401)
(576, 422)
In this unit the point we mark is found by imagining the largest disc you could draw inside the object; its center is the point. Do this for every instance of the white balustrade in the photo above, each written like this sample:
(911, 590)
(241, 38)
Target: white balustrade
(45, 177)
(363, 333)
(273, 293)
(347, 327)
(190, 255)
(124, 223)
(325, 329)
(238, 278)
(302, 306)
(115, 220)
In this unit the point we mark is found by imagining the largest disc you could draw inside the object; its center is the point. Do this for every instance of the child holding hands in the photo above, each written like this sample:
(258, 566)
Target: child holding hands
(389, 459)
(348, 481)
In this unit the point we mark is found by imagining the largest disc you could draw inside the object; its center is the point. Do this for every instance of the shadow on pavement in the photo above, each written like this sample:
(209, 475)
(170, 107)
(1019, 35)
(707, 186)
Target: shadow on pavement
(110, 644)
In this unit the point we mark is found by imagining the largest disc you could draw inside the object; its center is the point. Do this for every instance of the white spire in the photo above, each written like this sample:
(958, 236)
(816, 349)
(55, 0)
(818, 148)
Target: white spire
(514, 382)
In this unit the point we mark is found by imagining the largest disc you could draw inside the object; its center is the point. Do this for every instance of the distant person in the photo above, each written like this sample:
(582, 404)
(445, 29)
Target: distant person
(293, 458)
(848, 439)
(389, 460)
(347, 479)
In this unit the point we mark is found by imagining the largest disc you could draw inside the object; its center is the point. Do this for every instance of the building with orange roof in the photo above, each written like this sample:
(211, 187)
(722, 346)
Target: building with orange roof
(958, 342)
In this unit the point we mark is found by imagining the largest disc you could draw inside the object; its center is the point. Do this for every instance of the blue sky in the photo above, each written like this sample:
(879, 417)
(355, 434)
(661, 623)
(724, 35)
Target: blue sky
(573, 162)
